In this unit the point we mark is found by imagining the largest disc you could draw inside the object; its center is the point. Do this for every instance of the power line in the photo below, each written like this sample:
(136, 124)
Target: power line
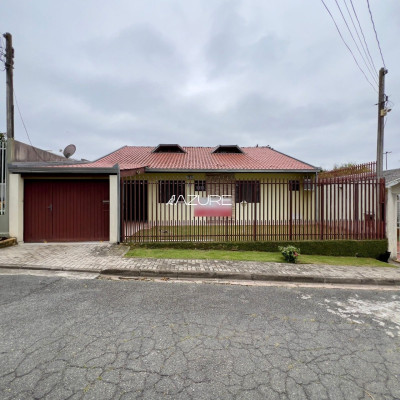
(376, 34)
(371, 63)
(362, 33)
(2, 53)
(26, 130)
(351, 34)
(348, 48)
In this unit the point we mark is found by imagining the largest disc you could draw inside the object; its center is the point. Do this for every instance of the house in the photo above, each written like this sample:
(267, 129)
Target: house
(392, 181)
(151, 193)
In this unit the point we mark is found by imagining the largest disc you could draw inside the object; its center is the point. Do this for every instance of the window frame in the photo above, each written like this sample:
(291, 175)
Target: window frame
(169, 187)
(294, 185)
(244, 191)
(197, 184)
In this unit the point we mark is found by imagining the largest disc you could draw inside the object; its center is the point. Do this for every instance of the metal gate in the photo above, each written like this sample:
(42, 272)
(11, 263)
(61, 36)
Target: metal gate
(66, 210)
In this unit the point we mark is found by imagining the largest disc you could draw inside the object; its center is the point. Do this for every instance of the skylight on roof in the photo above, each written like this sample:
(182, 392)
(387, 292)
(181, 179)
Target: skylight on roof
(228, 149)
(169, 148)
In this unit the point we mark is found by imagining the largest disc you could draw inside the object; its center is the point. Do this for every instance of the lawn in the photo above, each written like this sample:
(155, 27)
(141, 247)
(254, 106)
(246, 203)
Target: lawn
(250, 256)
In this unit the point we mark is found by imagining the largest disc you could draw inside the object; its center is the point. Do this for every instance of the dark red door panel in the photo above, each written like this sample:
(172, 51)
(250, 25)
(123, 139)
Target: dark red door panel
(79, 210)
(38, 204)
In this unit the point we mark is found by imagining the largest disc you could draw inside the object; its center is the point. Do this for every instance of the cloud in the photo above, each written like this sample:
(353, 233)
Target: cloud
(199, 73)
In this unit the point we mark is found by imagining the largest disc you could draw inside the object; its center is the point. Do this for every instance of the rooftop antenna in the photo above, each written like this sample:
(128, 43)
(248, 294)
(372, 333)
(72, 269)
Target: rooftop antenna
(69, 150)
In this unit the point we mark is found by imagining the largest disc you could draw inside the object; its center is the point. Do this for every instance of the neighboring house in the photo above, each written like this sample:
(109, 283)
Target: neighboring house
(392, 181)
(398, 215)
(84, 201)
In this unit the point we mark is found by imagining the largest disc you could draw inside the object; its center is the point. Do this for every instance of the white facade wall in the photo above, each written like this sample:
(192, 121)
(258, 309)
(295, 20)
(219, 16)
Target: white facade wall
(391, 219)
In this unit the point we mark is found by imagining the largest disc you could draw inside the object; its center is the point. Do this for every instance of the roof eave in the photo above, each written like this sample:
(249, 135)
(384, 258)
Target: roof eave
(393, 183)
(233, 170)
(68, 170)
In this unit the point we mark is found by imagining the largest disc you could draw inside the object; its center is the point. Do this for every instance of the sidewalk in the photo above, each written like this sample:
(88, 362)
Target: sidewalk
(108, 259)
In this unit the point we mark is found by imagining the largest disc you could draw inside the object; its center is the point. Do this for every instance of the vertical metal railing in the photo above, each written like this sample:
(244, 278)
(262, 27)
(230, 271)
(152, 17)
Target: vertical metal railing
(262, 209)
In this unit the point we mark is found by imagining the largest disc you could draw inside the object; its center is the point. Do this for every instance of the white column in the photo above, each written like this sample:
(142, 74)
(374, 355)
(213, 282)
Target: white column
(391, 220)
(114, 209)
(16, 206)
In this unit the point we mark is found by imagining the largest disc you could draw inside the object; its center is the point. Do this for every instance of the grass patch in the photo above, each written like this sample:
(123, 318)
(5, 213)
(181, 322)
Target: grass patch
(335, 248)
(186, 254)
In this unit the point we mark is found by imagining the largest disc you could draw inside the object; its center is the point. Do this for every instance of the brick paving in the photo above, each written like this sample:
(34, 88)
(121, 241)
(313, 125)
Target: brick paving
(100, 257)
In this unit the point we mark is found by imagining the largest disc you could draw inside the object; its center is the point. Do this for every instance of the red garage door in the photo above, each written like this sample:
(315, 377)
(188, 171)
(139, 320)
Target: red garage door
(66, 210)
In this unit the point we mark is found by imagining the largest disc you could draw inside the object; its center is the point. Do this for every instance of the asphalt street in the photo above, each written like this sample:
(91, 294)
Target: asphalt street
(102, 339)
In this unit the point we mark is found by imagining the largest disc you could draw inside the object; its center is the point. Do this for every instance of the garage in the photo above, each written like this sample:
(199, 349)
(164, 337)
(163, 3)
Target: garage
(66, 210)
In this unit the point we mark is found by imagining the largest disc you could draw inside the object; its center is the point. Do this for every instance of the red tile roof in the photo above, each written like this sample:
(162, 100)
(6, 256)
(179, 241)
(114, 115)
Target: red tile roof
(200, 159)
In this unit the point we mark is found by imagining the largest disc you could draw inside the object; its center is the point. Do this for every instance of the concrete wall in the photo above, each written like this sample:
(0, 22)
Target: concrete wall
(4, 219)
(16, 206)
(114, 209)
(25, 152)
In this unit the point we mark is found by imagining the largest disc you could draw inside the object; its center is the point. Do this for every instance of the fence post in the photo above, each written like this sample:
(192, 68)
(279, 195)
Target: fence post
(356, 210)
(255, 198)
(321, 209)
(121, 213)
(382, 191)
(290, 209)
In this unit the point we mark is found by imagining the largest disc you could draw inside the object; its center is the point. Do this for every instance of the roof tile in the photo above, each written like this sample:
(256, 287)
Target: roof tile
(201, 158)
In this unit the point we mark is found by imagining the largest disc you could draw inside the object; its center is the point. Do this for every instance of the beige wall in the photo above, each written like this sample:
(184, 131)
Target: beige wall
(273, 201)
(16, 207)
(345, 196)
(114, 209)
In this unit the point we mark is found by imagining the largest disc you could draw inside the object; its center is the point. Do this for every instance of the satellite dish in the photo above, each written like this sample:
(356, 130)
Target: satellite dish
(69, 150)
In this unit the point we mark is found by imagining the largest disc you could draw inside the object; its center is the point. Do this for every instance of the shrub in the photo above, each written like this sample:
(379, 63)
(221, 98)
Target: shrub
(290, 253)
(351, 248)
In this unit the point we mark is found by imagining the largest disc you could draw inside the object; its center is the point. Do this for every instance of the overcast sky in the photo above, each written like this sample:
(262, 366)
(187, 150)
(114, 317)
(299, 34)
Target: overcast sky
(200, 72)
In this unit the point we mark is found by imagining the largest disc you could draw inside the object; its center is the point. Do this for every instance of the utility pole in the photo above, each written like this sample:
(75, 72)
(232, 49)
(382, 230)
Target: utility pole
(9, 64)
(386, 153)
(381, 122)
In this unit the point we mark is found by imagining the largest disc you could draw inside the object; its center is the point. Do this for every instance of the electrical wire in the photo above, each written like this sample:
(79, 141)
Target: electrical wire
(371, 63)
(348, 47)
(362, 33)
(26, 130)
(2, 52)
(351, 34)
(376, 34)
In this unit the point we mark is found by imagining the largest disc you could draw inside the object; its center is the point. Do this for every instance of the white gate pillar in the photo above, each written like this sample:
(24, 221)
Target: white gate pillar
(391, 219)
(16, 207)
(114, 209)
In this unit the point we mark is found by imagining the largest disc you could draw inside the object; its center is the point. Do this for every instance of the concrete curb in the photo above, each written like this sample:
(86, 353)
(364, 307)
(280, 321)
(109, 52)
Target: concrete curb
(8, 242)
(23, 267)
(242, 276)
(250, 277)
